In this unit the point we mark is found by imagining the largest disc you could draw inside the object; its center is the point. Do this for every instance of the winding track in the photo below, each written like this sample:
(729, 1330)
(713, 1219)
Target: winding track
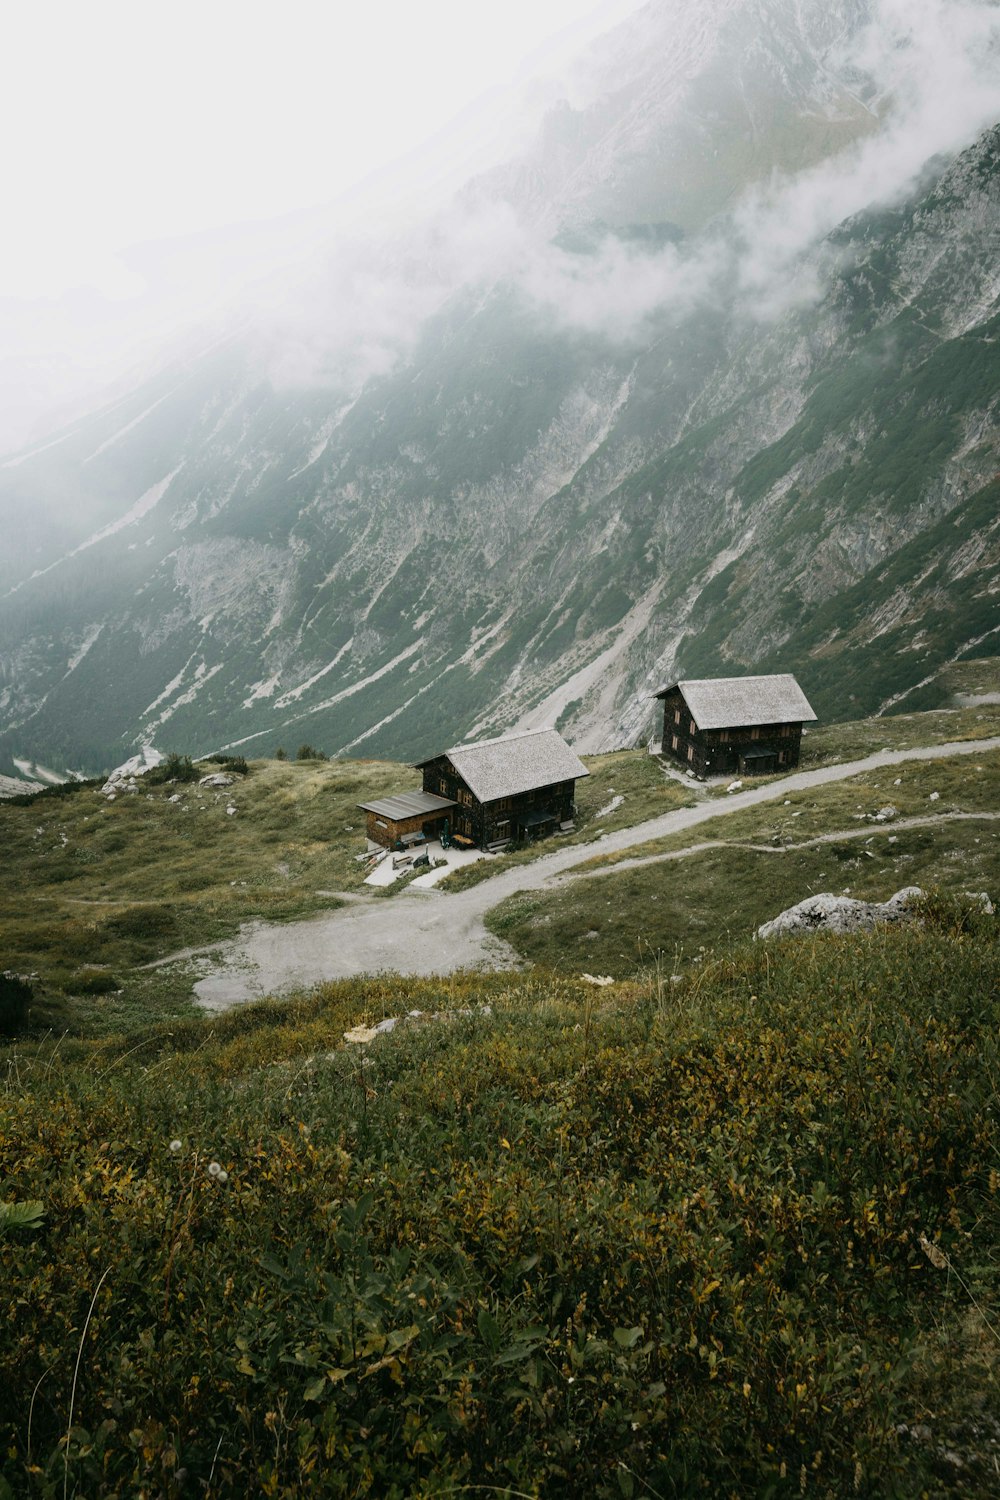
(436, 932)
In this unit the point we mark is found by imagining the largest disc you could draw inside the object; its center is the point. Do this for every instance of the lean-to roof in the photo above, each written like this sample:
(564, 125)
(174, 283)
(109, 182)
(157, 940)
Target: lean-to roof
(515, 763)
(407, 805)
(725, 702)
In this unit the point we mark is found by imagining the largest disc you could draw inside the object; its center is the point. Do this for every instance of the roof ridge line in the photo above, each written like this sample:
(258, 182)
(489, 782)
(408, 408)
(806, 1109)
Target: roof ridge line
(515, 734)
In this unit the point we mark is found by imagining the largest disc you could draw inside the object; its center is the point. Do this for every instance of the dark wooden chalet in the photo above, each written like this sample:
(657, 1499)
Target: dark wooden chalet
(517, 787)
(743, 726)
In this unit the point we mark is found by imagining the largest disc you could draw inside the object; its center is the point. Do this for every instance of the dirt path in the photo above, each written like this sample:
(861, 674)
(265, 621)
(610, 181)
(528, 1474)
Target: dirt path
(837, 836)
(435, 932)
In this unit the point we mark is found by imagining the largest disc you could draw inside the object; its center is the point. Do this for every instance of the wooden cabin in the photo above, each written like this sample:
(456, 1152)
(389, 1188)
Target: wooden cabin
(508, 790)
(735, 726)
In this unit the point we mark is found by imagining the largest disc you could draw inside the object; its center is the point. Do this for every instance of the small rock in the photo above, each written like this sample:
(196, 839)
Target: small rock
(886, 814)
(217, 778)
(982, 900)
(230, 811)
(361, 1034)
(733, 786)
(175, 798)
(898, 781)
(934, 797)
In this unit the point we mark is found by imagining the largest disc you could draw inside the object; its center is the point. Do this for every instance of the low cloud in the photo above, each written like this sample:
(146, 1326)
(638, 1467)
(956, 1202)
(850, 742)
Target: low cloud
(930, 69)
(354, 310)
(935, 67)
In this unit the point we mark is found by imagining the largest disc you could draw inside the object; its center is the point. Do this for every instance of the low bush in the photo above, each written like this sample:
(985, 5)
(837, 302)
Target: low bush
(93, 982)
(16, 995)
(234, 763)
(174, 767)
(52, 793)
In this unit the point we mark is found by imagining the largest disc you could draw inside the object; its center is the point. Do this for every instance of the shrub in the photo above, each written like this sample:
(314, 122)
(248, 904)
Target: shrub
(50, 793)
(234, 763)
(16, 995)
(281, 753)
(176, 767)
(306, 752)
(93, 982)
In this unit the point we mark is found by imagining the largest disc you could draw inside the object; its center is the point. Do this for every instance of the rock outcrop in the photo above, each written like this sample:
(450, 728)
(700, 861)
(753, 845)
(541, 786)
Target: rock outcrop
(829, 913)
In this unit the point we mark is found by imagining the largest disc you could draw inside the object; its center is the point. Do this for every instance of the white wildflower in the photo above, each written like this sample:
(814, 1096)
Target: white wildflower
(175, 1146)
(214, 1169)
(222, 1175)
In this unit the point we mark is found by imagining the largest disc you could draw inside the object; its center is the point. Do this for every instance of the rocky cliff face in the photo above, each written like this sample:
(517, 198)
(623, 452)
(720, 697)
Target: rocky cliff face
(684, 105)
(533, 518)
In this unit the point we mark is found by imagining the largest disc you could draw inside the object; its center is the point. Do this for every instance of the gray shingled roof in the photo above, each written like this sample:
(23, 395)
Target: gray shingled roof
(728, 702)
(516, 763)
(407, 805)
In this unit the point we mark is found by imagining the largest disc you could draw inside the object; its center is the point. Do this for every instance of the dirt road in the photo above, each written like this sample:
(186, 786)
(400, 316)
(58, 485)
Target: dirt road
(435, 932)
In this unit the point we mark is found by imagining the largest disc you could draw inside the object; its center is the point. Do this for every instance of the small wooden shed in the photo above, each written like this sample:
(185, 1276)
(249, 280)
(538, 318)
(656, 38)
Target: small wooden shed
(406, 818)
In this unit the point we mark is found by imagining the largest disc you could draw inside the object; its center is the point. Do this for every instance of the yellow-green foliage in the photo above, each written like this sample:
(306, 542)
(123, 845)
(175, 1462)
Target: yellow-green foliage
(650, 1240)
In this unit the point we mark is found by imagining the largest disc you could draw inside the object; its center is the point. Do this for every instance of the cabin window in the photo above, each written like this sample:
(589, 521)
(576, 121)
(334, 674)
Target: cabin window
(674, 742)
(502, 804)
(755, 733)
(677, 716)
(381, 823)
(690, 752)
(465, 796)
(443, 787)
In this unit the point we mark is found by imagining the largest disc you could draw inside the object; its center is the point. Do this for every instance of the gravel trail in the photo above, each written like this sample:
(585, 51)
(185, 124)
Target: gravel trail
(435, 932)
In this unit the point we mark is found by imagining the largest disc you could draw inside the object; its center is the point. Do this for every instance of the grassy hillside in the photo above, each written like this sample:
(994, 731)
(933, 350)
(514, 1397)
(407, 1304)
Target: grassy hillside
(755, 863)
(732, 1236)
(93, 890)
(726, 1226)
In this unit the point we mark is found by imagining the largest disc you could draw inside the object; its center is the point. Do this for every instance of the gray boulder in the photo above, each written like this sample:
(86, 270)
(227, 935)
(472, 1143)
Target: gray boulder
(829, 913)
